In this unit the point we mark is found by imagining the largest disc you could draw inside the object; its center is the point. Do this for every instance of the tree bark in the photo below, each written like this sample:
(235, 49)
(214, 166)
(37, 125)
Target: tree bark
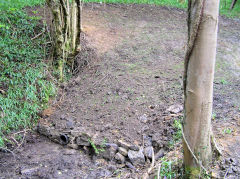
(198, 82)
(233, 4)
(66, 30)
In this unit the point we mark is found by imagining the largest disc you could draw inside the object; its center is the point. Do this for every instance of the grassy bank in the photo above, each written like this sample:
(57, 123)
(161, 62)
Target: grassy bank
(24, 88)
(224, 5)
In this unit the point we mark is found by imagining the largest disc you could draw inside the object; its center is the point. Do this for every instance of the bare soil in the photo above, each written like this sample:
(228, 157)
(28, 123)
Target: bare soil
(133, 73)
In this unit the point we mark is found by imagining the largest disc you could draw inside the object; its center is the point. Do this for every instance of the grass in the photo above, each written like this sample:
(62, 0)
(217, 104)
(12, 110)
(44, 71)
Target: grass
(182, 4)
(178, 133)
(24, 88)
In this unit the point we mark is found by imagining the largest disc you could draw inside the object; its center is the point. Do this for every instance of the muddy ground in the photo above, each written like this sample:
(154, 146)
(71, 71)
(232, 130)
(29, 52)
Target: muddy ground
(133, 75)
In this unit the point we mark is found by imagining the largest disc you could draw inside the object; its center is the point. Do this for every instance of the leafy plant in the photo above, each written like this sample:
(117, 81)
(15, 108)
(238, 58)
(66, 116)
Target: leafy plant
(24, 88)
(227, 131)
(166, 169)
(96, 149)
(178, 134)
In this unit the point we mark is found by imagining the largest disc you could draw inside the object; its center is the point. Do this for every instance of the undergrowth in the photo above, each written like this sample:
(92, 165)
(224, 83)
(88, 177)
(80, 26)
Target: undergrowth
(24, 87)
(224, 5)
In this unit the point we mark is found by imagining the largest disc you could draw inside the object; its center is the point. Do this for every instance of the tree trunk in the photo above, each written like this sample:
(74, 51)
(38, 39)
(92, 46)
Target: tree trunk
(233, 4)
(198, 83)
(66, 30)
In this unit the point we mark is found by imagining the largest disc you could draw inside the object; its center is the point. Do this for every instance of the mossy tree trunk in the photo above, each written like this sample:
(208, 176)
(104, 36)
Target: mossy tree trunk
(198, 83)
(66, 30)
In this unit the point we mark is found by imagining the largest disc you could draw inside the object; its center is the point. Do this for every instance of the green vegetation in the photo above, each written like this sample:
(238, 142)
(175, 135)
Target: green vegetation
(224, 5)
(178, 134)
(95, 148)
(24, 88)
(18, 4)
(166, 169)
(227, 130)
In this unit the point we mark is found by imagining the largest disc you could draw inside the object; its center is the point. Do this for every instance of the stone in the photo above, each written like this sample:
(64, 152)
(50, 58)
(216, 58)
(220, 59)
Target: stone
(124, 144)
(160, 154)
(129, 165)
(111, 145)
(83, 139)
(233, 161)
(136, 157)
(228, 161)
(147, 140)
(70, 124)
(112, 168)
(120, 158)
(29, 171)
(109, 151)
(134, 147)
(143, 118)
(100, 162)
(123, 151)
(148, 152)
(176, 108)
(234, 169)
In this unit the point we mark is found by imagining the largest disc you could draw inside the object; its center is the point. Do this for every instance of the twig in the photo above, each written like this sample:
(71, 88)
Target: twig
(152, 165)
(21, 131)
(159, 171)
(38, 35)
(24, 135)
(214, 144)
(226, 174)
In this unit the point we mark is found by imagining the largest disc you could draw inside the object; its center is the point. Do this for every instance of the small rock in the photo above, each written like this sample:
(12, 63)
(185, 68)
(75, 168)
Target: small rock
(147, 140)
(143, 118)
(136, 157)
(83, 140)
(160, 154)
(123, 151)
(175, 108)
(110, 151)
(134, 147)
(124, 144)
(112, 168)
(230, 171)
(129, 165)
(233, 161)
(108, 145)
(70, 124)
(73, 146)
(148, 151)
(234, 169)
(100, 162)
(120, 158)
(29, 171)
(214, 175)
(228, 161)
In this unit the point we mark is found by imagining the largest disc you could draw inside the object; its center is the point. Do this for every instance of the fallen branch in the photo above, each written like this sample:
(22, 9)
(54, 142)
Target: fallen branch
(38, 35)
(145, 176)
(159, 171)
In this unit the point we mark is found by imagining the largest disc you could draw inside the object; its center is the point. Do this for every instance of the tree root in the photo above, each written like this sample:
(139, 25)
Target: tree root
(214, 145)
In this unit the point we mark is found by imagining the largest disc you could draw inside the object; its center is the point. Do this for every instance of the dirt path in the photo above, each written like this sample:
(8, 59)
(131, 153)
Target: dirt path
(125, 93)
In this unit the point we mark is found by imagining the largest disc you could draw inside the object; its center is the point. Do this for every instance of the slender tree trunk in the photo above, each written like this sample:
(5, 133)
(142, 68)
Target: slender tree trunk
(66, 30)
(233, 4)
(198, 82)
